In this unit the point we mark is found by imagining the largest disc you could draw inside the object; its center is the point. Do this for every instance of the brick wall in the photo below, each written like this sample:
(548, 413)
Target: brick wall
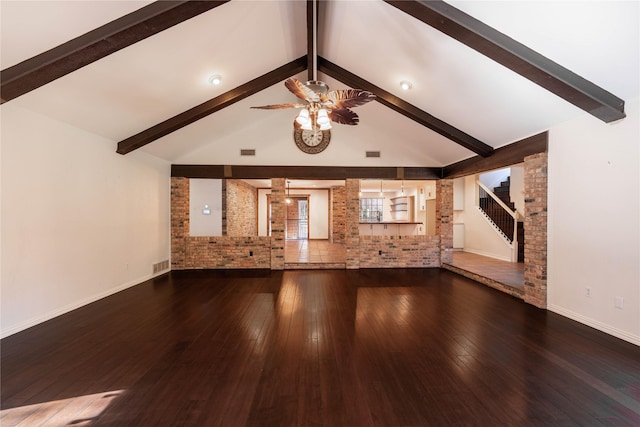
(535, 226)
(338, 214)
(444, 218)
(210, 252)
(268, 252)
(278, 217)
(179, 220)
(399, 251)
(222, 252)
(352, 223)
(292, 219)
(241, 208)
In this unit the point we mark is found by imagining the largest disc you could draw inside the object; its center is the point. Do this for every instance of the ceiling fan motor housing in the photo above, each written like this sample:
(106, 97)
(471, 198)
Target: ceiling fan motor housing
(317, 86)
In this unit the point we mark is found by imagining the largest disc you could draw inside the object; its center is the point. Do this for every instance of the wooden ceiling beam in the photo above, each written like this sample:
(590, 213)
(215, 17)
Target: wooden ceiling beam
(503, 157)
(96, 44)
(303, 172)
(516, 57)
(406, 109)
(312, 25)
(215, 104)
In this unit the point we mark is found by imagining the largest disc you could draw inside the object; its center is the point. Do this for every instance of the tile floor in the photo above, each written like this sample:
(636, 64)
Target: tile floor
(313, 252)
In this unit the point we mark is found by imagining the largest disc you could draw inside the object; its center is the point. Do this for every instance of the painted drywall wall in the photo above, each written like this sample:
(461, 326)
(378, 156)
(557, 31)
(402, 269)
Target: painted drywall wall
(516, 189)
(79, 222)
(594, 222)
(480, 237)
(318, 212)
(263, 210)
(458, 194)
(205, 195)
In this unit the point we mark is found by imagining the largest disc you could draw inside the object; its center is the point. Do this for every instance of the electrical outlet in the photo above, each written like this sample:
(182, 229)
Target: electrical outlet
(587, 292)
(619, 302)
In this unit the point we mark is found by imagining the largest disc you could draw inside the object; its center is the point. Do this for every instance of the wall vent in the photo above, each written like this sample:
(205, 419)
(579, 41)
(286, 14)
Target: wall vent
(247, 152)
(160, 266)
(373, 154)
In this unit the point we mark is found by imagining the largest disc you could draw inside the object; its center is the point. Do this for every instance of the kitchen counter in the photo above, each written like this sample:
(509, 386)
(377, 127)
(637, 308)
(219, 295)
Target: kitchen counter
(390, 222)
(391, 228)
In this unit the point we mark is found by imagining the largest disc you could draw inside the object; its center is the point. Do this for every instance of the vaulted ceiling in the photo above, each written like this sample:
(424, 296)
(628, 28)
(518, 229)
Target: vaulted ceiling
(484, 74)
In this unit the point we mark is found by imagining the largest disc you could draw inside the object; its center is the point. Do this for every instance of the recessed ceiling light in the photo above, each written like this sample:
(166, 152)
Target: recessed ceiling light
(215, 79)
(405, 85)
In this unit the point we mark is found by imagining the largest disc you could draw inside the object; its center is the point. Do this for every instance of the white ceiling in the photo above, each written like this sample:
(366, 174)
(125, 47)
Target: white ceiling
(164, 75)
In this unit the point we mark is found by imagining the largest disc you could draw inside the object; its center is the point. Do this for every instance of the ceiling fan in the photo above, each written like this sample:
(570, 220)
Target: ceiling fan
(322, 106)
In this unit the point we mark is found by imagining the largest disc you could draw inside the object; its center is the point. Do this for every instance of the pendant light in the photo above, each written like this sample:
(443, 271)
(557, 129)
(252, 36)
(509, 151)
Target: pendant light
(288, 199)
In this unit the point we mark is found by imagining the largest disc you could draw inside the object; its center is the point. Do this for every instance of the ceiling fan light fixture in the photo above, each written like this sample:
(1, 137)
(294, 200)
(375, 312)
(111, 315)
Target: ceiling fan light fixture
(303, 118)
(405, 85)
(321, 106)
(323, 117)
(215, 79)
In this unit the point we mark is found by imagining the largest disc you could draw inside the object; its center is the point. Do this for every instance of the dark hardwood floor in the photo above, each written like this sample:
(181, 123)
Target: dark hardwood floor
(327, 347)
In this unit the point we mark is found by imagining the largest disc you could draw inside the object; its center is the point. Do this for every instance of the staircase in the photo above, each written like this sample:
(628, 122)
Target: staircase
(502, 220)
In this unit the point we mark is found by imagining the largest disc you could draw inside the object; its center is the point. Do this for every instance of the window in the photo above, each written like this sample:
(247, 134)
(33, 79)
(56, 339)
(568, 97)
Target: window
(371, 210)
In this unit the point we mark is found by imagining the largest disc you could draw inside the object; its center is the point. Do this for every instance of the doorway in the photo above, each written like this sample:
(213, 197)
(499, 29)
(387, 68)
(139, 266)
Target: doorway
(297, 218)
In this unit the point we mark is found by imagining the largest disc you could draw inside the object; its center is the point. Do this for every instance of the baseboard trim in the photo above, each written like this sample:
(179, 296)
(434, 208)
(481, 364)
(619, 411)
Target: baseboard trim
(494, 256)
(70, 307)
(603, 327)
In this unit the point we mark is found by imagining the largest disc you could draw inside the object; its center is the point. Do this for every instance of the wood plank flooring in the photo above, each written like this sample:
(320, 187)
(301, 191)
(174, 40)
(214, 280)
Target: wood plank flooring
(401, 347)
(507, 273)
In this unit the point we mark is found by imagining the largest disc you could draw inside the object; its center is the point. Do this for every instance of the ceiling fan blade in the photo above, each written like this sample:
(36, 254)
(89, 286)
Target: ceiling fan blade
(301, 91)
(279, 106)
(349, 98)
(344, 116)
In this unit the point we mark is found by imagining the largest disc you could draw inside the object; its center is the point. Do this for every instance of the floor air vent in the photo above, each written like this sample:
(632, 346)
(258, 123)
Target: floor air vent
(373, 154)
(248, 152)
(161, 266)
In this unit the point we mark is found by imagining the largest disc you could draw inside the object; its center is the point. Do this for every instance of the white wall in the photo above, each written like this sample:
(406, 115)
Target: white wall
(262, 211)
(458, 194)
(594, 221)
(79, 222)
(516, 189)
(318, 212)
(205, 192)
(480, 237)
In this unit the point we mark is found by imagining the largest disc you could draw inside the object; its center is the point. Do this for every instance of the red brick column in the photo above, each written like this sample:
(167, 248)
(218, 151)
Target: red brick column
(179, 221)
(278, 217)
(338, 214)
(535, 230)
(352, 224)
(241, 208)
(444, 218)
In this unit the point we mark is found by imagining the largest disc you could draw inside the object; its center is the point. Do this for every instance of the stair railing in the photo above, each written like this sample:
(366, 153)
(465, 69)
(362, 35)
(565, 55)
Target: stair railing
(505, 213)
